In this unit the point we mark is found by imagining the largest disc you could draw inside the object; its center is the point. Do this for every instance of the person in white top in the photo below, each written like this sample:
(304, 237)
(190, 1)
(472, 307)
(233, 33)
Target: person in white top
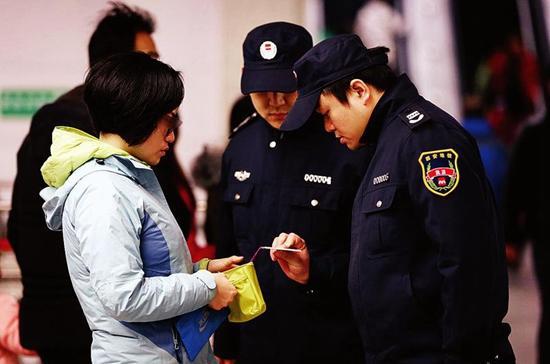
(378, 24)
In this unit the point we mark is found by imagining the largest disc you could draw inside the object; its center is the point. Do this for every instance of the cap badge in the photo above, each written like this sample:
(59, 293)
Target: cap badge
(268, 50)
(242, 175)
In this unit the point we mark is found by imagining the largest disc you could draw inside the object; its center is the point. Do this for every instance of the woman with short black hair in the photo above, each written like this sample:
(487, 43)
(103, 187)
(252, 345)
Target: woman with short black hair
(127, 257)
(129, 98)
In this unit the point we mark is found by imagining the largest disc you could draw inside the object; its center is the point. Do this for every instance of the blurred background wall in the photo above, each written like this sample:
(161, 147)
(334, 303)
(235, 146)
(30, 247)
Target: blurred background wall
(44, 52)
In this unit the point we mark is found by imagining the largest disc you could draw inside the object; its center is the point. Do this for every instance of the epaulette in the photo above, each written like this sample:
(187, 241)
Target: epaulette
(413, 116)
(243, 124)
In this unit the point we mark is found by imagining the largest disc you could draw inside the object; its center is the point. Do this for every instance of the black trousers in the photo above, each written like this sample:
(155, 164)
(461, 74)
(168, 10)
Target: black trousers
(58, 355)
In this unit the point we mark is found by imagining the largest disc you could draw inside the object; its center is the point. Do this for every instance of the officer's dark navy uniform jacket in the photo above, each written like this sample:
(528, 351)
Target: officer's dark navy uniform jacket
(302, 182)
(427, 276)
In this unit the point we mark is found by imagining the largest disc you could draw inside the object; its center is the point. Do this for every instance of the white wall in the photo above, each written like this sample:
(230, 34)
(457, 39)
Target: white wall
(30, 44)
(431, 53)
(44, 44)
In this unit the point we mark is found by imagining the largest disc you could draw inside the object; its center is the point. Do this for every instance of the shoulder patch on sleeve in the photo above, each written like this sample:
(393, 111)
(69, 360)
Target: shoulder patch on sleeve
(440, 170)
(243, 124)
(413, 116)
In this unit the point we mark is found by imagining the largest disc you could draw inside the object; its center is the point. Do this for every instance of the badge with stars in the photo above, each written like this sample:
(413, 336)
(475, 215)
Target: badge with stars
(242, 175)
(440, 171)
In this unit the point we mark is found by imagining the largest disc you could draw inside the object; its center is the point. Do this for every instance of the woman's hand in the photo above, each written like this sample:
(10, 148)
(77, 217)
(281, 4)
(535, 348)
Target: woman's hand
(223, 264)
(225, 292)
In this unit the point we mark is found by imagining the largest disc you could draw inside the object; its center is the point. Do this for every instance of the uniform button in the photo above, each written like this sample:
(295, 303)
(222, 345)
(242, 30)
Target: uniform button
(273, 144)
(379, 203)
(310, 291)
(314, 202)
(237, 197)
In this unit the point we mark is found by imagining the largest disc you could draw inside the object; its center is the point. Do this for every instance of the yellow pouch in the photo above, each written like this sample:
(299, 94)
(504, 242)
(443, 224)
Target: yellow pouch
(249, 302)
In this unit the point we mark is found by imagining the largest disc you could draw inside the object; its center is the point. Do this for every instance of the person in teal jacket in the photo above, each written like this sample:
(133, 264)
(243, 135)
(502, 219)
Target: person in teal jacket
(126, 255)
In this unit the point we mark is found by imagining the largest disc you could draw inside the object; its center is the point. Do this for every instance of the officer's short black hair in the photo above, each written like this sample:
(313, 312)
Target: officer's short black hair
(128, 93)
(116, 31)
(381, 77)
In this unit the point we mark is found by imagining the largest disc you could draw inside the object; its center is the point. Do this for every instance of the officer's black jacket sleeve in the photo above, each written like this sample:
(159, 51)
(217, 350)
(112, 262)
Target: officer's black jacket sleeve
(462, 230)
(226, 338)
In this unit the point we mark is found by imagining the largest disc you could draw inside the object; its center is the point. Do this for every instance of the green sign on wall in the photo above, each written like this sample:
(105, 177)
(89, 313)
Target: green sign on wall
(23, 103)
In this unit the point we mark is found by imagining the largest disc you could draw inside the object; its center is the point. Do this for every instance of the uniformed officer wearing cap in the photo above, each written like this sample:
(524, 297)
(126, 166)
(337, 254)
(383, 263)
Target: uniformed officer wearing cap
(275, 181)
(427, 277)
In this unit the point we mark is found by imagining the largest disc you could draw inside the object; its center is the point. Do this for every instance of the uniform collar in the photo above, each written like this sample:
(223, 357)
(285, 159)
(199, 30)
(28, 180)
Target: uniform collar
(391, 102)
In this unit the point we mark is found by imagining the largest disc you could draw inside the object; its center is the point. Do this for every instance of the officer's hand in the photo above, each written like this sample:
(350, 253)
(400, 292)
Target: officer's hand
(225, 292)
(294, 264)
(223, 264)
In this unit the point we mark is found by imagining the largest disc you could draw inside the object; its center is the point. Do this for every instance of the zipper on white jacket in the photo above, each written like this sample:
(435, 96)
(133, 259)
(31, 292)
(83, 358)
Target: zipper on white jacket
(176, 340)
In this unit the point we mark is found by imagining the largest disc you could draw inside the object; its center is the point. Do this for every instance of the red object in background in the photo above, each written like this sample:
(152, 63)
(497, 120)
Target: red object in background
(197, 253)
(513, 88)
(5, 245)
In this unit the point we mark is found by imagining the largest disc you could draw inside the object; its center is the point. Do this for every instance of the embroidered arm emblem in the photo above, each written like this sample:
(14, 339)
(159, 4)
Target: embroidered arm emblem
(440, 171)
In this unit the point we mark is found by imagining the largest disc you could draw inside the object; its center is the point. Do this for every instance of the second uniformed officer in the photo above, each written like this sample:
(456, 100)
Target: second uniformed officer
(427, 276)
(302, 181)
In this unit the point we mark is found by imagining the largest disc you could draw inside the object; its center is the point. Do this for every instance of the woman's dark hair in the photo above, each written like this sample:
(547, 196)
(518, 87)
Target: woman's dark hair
(381, 77)
(116, 31)
(128, 93)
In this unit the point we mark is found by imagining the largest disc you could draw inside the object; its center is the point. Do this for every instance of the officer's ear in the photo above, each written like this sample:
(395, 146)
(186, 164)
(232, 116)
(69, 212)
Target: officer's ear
(358, 88)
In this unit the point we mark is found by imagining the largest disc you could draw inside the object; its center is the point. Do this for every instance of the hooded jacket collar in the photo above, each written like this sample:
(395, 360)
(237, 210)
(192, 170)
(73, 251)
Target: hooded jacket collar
(70, 149)
(71, 160)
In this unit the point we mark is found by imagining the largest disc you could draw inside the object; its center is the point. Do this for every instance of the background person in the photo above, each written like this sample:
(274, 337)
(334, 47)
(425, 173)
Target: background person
(206, 173)
(526, 218)
(508, 82)
(378, 23)
(181, 200)
(10, 343)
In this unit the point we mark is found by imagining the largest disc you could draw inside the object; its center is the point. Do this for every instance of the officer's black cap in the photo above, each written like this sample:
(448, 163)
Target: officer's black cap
(269, 52)
(329, 61)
